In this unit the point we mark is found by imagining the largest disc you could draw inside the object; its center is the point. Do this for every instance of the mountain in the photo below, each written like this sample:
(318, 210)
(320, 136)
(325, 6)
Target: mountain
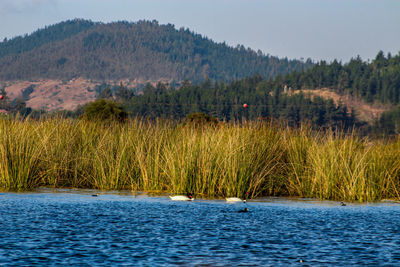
(136, 51)
(54, 33)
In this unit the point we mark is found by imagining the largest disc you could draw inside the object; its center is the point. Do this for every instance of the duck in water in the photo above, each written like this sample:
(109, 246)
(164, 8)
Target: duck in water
(243, 210)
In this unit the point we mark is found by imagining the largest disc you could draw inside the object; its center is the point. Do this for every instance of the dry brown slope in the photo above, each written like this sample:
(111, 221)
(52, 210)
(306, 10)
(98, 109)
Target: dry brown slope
(58, 95)
(53, 94)
(363, 111)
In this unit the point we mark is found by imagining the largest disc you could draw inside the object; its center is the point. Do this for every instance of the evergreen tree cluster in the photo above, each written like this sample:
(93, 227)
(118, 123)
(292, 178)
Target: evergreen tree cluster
(388, 123)
(250, 98)
(378, 80)
(143, 50)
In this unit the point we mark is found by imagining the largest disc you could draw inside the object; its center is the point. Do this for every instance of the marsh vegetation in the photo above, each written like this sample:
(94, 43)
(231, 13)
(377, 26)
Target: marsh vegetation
(226, 159)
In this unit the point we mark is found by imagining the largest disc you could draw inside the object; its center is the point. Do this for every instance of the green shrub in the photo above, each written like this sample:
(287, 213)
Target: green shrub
(105, 110)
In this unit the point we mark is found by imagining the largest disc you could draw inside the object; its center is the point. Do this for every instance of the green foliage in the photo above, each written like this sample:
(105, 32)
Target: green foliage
(18, 106)
(225, 102)
(388, 123)
(374, 81)
(144, 50)
(123, 94)
(104, 111)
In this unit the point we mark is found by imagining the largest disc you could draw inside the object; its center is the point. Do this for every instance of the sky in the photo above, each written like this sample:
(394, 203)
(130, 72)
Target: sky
(316, 29)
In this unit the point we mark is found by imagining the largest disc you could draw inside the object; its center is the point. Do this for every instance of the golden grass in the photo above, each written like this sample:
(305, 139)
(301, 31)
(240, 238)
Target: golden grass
(224, 160)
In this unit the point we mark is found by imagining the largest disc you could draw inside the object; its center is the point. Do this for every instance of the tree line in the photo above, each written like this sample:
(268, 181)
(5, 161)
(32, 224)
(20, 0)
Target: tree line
(250, 98)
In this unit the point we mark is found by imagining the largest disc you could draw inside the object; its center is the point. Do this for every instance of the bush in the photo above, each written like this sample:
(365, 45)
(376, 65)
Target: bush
(105, 110)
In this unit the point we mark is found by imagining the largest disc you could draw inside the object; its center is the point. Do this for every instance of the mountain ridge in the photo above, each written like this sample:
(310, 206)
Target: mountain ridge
(125, 50)
(136, 53)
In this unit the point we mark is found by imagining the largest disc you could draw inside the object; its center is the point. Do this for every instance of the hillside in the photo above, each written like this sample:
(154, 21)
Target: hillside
(363, 111)
(121, 50)
(370, 88)
(377, 81)
(53, 94)
(62, 64)
(53, 33)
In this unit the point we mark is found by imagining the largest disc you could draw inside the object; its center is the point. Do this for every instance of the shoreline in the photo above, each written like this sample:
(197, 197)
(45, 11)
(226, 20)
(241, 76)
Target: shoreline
(198, 197)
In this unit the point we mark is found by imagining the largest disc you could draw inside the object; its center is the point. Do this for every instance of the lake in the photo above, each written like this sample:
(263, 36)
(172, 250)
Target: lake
(71, 227)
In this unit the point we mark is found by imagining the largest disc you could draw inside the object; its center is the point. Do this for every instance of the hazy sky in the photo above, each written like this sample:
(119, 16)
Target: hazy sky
(319, 29)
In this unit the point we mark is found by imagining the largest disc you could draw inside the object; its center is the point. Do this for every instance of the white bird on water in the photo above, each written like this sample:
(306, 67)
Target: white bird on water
(237, 199)
(188, 197)
(234, 199)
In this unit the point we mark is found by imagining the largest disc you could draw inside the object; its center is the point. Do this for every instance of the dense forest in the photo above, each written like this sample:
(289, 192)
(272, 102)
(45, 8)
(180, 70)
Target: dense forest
(388, 123)
(249, 98)
(143, 50)
(375, 81)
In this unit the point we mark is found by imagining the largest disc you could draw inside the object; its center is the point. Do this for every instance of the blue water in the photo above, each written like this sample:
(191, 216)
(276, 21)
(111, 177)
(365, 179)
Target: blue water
(73, 227)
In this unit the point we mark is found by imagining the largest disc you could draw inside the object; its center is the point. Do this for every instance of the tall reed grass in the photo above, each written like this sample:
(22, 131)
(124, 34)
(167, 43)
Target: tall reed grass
(261, 158)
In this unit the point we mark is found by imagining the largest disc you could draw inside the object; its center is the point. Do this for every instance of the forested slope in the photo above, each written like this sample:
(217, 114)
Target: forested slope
(53, 33)
(375, 81)
(121, 50)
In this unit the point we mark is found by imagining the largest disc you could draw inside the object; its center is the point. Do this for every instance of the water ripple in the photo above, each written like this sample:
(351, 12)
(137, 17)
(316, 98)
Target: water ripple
(77, 229)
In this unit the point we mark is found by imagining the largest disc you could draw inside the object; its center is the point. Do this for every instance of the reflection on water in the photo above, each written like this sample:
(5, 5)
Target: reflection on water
(73, 227)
